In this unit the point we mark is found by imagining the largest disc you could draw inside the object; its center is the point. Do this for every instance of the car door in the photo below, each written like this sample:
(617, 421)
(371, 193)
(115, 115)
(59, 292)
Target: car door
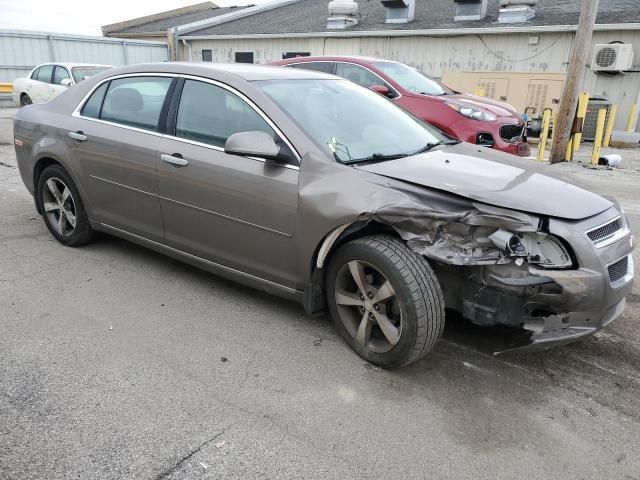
(40, 89)
(233, 210)
(56, 87)
(113, 139)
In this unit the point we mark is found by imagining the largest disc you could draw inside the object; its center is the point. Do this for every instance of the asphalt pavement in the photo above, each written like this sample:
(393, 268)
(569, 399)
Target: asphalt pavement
(119, 363)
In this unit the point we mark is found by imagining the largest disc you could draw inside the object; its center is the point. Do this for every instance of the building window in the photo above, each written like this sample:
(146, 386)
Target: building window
(244, 57)
(207, 56)
(295, 54)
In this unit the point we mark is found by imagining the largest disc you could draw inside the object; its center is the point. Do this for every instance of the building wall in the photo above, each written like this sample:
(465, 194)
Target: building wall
(438, 55)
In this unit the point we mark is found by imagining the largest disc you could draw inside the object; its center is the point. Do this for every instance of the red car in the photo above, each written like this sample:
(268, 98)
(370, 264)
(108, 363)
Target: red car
(469, 118)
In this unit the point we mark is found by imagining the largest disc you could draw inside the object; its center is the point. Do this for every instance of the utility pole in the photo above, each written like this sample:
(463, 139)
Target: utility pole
(577, 63)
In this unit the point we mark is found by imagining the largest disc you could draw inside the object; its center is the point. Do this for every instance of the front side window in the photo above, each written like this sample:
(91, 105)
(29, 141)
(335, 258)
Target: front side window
(34, 74)
(135, 101)
(349, 122)
(60, 74)
(412, 80)
(210, 114)
(44, 73)
(358, 74)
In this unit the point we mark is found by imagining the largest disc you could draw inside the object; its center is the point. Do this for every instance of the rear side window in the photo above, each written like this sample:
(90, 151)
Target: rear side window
(44, 73)
(59, 74)
(93, 105)
(358, 74)
(135, 101)
(210, 114)
(325, 67)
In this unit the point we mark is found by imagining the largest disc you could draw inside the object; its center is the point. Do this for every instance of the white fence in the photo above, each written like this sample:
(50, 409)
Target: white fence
(20, 51)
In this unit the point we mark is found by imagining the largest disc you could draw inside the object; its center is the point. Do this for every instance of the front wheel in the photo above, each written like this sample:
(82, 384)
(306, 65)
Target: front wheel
(385, 300)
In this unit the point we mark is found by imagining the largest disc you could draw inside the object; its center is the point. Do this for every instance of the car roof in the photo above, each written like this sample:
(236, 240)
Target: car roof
(248, 72)
(76, 64)
(336, 58)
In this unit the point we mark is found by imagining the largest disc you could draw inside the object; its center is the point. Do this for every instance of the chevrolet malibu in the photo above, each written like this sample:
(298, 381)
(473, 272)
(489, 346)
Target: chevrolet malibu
(319, 190)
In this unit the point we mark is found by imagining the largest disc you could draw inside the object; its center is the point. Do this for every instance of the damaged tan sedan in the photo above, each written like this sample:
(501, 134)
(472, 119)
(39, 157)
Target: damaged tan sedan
(313, 188)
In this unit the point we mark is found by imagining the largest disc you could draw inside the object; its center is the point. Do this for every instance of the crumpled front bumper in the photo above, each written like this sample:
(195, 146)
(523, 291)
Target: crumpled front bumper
(589, 298)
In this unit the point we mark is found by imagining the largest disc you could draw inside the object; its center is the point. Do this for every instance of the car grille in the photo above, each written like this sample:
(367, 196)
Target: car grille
(618, 269)
(511, 132)
(605, 231)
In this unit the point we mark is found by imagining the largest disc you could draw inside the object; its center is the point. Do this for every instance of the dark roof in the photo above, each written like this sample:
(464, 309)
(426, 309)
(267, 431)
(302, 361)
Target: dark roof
(162, 21)
(307, 16)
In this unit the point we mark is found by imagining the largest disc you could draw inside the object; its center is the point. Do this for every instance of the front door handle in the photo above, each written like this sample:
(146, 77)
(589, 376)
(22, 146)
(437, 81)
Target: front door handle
(175, 159)
(79, 136)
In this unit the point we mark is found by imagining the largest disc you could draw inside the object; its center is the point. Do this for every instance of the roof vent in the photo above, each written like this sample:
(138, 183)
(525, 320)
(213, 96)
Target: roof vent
(516, 11)
(399, 11)
(467, 10)
(342, 14)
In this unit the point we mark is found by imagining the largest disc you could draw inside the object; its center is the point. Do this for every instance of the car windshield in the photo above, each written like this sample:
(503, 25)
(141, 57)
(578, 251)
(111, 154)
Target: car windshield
(86, 71)
(350, 122)
(412, 80)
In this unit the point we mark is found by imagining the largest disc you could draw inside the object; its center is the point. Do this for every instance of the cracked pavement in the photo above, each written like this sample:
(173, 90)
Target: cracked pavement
(119, 363)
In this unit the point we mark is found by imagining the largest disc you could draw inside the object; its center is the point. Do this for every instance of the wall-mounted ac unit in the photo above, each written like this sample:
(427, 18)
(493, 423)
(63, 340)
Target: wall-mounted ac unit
(612, 57)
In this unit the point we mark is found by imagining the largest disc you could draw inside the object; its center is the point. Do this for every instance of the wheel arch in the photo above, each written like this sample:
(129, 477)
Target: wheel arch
(314, 297)
(38, 168)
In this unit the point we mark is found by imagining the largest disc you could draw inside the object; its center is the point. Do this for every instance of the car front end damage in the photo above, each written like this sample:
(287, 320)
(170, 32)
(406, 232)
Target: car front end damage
(555, 280)
(553, 305)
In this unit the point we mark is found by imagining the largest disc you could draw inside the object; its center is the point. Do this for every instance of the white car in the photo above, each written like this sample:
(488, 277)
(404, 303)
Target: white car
(50, 79)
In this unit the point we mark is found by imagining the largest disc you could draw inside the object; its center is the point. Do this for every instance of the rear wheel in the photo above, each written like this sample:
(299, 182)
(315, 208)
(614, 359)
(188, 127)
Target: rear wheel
(385, 300)
(62, 208)
(25, 100)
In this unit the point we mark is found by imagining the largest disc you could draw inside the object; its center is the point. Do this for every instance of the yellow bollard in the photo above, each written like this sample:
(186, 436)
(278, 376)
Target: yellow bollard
(479, 91)
(597, 142)
(583, 103)
(544, 133)
(610, 122)
(631, 119)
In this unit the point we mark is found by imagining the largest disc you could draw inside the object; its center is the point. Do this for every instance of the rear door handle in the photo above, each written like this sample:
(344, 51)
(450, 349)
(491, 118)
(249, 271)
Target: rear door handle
(79, 136)
(175, 159)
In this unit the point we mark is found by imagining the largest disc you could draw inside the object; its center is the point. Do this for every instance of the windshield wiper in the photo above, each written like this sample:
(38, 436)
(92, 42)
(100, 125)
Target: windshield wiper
(379, 157)
(426, 148)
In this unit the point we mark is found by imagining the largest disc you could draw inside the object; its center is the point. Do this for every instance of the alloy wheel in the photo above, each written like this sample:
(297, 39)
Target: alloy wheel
(368, 306)
(59, 206)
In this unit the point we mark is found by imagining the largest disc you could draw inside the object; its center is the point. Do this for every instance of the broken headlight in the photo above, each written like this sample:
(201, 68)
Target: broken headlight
(536, 248)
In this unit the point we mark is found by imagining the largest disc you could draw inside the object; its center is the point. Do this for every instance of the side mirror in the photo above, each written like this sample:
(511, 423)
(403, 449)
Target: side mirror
(253, 144)
(65, 82)
(382, 90)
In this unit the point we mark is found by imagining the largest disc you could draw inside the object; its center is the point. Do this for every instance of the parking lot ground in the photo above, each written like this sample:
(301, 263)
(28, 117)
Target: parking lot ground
(117, 362)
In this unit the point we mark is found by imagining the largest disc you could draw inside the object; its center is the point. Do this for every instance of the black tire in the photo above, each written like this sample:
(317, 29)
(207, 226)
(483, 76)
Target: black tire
(81, 233)
(417, 294)
(25, 100)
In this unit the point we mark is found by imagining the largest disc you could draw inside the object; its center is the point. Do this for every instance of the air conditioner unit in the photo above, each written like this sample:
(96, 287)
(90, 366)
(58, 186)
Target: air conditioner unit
(612, 57)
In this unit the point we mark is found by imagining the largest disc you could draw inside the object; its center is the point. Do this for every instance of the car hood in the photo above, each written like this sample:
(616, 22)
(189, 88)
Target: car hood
(494, 178)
